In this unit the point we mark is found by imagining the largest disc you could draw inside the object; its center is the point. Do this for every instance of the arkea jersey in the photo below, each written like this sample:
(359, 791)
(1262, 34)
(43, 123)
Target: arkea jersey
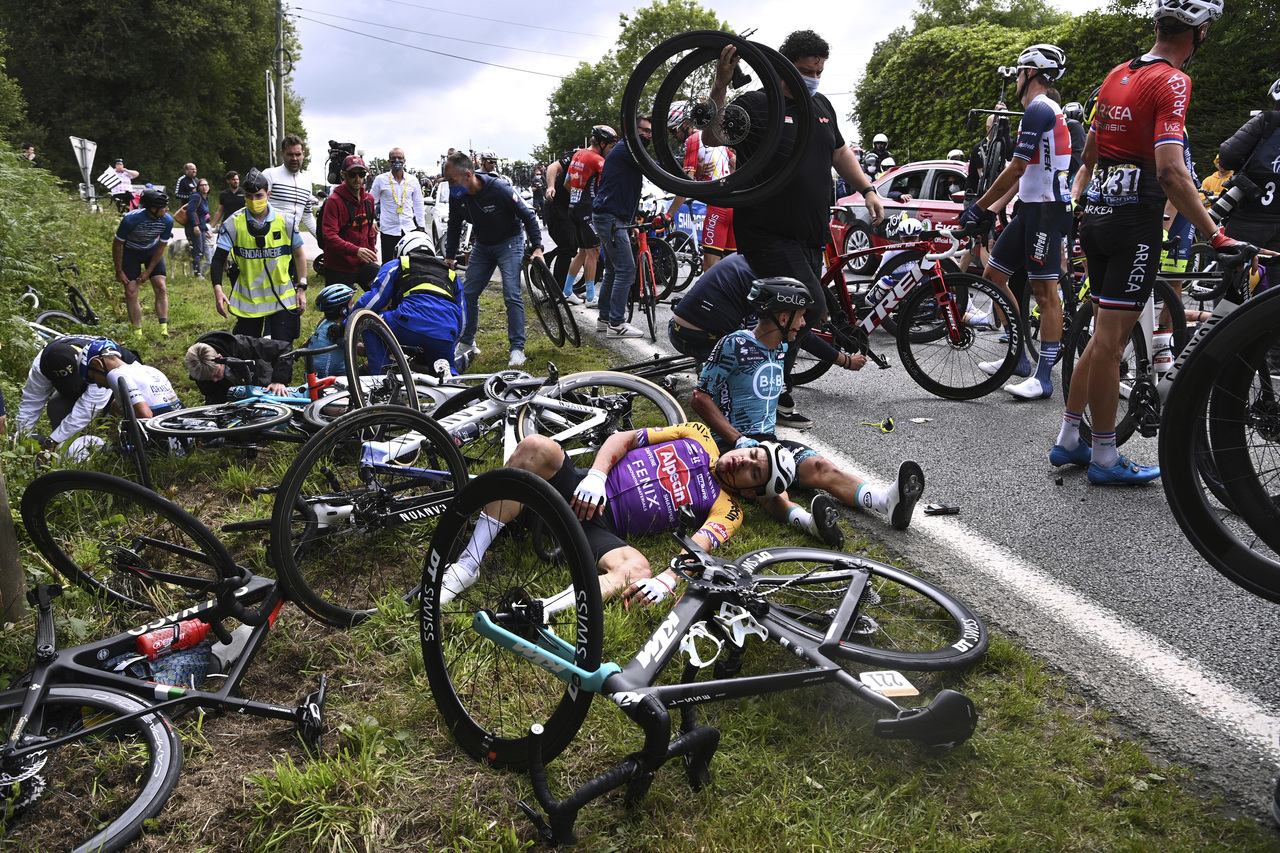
(744, 378)
(1142, 105)
(584, 177)
(714, 157)
(1044, 141)
(672, 467)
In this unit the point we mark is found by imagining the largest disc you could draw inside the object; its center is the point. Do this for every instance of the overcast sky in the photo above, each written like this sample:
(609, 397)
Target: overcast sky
(401, 82)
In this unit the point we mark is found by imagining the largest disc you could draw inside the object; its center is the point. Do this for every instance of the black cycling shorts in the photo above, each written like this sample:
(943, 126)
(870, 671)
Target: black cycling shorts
(1123, 251)
(585, 232)
(1033, 240)
(602, 536)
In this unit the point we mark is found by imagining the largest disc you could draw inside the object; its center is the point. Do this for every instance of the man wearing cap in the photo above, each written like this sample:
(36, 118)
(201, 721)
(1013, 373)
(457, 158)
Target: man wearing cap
(263, 292)
(348, 224)
(54, 384)
(400, 204)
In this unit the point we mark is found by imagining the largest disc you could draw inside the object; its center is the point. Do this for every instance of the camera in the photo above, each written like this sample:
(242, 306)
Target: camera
(1236, 188)
(338, 152)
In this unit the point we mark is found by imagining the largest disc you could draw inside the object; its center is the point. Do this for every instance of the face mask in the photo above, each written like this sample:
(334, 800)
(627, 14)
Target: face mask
(458, 191)
(397, 165)
(812, 83)
(256, 206)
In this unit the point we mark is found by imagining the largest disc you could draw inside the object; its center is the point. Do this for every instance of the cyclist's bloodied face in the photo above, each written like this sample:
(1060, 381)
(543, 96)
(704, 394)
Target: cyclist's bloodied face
(746, 469)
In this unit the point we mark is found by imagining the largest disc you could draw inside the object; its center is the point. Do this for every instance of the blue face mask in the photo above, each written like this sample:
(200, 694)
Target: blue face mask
(457, 192)
(812, 83)
(397, 165)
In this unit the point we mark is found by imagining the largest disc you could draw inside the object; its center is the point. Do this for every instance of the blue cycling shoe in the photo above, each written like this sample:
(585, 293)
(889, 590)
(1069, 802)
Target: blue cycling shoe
(1126, 472)
(1081, 456)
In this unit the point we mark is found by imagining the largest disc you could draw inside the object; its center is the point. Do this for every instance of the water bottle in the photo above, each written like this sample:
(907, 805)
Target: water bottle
(879, 289)
(1162, 343)
(172, 638)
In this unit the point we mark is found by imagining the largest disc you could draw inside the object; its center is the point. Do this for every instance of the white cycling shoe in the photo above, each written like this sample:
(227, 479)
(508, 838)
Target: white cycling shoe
(456, 580)
(1031, 389)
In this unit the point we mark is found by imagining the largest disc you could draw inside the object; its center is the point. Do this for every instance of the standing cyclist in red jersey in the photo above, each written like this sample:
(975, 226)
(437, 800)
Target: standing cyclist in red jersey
(583, 180)
(1133, 161)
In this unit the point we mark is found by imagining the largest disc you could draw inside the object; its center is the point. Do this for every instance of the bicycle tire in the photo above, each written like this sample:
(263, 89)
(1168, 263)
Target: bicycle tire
(60, 321)
(123, 542)
(545, 306)
(666, 267)
(223, 419)
(397, 387)
(618, 394)
(1073, 346)
(98, 791)
(948, 369)
(1227, 542)
(916, 625)
(347, 528)
(80, 306)
(688, 259)
(132, 435)
(572, 333)
(489, 696)
(648, 296)
(702, 48)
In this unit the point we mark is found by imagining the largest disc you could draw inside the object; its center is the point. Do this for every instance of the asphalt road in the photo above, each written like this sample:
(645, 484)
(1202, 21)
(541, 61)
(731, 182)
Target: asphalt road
(1099, 581)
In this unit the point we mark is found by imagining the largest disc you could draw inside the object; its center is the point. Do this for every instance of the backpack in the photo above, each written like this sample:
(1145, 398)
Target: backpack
(351, 215)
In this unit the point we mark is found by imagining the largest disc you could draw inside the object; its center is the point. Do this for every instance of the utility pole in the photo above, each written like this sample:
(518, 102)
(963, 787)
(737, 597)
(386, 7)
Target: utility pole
(280, 131)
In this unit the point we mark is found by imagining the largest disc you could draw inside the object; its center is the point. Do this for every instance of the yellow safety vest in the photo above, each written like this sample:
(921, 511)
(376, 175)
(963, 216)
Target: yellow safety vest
(264, 286)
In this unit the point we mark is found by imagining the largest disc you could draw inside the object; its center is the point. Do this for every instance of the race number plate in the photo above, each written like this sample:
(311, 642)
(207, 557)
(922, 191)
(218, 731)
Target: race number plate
(889, 683)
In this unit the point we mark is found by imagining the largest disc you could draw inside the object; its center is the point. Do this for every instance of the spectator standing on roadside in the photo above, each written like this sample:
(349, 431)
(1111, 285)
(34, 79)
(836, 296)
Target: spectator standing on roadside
(198, 223)
(138, 255)
(290, 193)
(784, 235)
(29, 152)
(399, 197)
(496, 213)
(123, 193)
(613, 213)
(539, 191)
(583, 179)
(185, 185)
(229, 200)
(1213, 183)
(266, 250)
(348, 225)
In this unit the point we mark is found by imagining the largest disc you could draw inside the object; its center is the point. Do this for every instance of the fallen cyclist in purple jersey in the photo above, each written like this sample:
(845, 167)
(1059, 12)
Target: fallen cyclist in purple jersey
(638, 484)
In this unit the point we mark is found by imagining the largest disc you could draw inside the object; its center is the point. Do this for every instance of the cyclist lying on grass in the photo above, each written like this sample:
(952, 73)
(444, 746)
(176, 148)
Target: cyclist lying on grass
(638, 484)
(272, 367)
(737, 394)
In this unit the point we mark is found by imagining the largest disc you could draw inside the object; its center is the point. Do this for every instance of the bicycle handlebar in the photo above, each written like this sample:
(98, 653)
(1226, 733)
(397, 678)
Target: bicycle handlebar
(931, 257)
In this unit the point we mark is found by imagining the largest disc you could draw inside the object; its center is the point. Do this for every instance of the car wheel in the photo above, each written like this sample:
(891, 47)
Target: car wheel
(856, 238)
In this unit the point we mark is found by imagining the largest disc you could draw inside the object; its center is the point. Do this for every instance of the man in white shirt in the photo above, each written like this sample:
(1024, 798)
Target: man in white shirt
(400, 204)
(290, 191)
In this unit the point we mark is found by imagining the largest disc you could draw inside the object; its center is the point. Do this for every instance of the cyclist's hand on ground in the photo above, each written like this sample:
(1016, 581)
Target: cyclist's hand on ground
(745, 441)
(650, 590)
(278, 389)
(589, 496)
(221, 300)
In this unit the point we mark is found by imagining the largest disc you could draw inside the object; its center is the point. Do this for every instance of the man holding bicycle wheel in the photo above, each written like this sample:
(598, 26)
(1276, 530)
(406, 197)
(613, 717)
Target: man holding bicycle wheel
(737, 395)
(1133, 160)
(784, 235)
(1033, 238)
(639, 483)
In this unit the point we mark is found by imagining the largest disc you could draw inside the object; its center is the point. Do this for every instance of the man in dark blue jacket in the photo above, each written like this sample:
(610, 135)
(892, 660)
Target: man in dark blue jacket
(495, 212)
(613, 212)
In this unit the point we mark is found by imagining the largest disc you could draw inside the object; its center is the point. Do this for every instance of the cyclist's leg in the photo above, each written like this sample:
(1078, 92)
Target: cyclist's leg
(432, 349)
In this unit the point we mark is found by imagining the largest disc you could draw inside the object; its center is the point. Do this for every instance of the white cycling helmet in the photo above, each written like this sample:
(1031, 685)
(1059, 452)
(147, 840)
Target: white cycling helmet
(1045, 58)
(878, 138)
(1274, 91)
(488, 154)
(782, 468)
(888, 163)
(905, 226)
(1190, 12)
(414, 241)
(677, 114)
(956, 154)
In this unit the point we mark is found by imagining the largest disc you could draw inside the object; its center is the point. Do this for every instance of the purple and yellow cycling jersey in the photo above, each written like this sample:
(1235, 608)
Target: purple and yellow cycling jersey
(669, 469)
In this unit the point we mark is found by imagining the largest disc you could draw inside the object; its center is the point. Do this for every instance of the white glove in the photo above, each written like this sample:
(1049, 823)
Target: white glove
(591, 489)
(657, 588)
(745, 441)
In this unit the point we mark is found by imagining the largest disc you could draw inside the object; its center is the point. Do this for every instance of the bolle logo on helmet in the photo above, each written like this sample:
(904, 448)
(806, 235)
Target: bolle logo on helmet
(789, 299)
(673, 474)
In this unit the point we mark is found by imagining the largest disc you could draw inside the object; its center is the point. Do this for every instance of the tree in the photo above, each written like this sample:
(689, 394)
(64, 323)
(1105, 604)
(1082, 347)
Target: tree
(592, 93)
(190, 85)
(1011, 14)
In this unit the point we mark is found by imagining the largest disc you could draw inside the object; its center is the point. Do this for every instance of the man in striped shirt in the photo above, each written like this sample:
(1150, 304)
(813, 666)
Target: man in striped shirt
(290, 192)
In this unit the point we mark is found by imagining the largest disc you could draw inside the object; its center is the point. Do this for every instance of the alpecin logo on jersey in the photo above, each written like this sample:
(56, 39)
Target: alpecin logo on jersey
(673, 474)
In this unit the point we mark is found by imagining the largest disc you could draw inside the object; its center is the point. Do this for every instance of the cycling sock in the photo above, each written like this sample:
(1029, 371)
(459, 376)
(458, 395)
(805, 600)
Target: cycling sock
(873, 499)
(1044, 367)
(487, 529)
(1105, 454)
(568, 284)
(801, 519)
(591, 291)
(1069, 436)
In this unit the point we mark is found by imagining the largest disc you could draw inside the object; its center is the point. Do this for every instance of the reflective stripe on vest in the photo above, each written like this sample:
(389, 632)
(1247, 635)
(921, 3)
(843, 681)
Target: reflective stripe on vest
(263, 286)
(430, 286)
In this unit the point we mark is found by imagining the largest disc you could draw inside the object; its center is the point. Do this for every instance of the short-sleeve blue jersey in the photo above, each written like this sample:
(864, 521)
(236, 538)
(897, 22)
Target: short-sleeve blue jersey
(139, 232)
(744, 377)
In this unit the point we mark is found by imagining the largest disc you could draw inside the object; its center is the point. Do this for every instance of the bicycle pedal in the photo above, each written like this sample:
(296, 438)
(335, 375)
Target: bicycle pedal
(311, 718)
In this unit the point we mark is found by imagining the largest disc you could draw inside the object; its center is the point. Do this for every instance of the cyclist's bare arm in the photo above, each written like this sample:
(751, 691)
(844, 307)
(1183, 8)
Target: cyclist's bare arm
(1005, 182)
(1088, 159)
(711, 415)
(725, 66)
(1175, 180)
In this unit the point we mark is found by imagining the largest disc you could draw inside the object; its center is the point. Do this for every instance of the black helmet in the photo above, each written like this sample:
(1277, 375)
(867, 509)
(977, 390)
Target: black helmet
(604, 134)
(1074, 110)
(152, 197)
(254, 182)
(768, 296)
